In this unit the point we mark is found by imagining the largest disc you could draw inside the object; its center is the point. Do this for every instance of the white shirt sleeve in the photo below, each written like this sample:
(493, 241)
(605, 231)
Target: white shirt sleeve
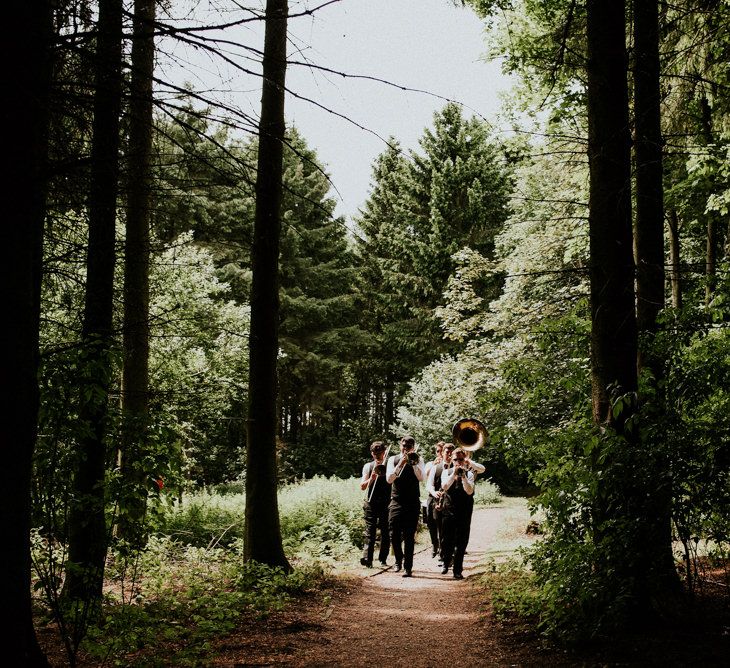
(420, 469)
(448, 478)
(431, 483)
(390, 475)
(468, 482)
(477, 467)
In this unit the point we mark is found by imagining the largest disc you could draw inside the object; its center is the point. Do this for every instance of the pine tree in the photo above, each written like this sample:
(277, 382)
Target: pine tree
(453, 194)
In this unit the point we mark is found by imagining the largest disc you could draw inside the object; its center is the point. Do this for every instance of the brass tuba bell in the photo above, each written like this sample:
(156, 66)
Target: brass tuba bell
(469, 434)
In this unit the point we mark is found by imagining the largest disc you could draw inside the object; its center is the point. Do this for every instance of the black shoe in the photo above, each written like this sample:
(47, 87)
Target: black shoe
(444, 570)
(397, 568)
(407, 574)
(458, 576)
(383, 563)
(365, 562)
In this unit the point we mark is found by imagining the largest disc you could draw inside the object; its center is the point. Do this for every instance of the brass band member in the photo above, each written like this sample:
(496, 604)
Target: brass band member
(375, 506)
(405, 471)
(433, 485)
(457, 486)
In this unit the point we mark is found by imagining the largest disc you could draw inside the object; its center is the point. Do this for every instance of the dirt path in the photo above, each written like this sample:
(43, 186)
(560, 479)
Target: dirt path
(385, 619)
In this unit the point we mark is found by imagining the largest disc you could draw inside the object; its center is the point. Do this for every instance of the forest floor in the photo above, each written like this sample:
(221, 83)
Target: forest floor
(375, 617)
(379, 618)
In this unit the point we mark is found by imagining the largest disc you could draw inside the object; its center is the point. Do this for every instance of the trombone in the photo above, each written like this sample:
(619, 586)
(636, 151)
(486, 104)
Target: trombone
(379, 470)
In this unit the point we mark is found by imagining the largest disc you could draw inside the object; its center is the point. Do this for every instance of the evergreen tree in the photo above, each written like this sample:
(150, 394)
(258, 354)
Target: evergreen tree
(320, 336)
(451, 195)
(87, 521)
(263, 533)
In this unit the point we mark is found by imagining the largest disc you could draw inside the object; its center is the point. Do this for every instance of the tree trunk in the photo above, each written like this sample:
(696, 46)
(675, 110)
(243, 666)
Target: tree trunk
(613, 335)
(263, 531)
(711, 245)
(26, 53)
(656, 570)
(135, 389)
(674, 259)
(87, 525)
(649, 186)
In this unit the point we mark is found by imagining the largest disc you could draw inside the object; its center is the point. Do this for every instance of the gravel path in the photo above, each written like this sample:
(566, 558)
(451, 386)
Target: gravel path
(387, 620)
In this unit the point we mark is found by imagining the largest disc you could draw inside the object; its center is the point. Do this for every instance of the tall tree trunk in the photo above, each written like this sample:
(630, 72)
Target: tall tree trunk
(711, 245)
(87, 525)
(26, 54)
(655, 560)
(613, 334)
(674, 259)
(649, 186)
(135, 389)
(263, 530)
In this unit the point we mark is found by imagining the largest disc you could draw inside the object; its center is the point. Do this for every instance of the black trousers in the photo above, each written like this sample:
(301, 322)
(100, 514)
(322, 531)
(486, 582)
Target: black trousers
(403, 522)
(455, 537)
(376, 518)
(433, 521)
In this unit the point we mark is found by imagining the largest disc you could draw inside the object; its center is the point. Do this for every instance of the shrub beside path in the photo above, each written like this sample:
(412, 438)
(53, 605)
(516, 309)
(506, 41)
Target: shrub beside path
(387, 620)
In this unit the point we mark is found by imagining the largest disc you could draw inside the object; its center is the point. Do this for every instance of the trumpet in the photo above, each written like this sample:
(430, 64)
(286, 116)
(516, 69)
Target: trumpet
(412, 458)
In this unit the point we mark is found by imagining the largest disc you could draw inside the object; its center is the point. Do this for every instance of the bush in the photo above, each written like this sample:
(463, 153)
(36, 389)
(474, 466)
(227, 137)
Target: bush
(320, 518)
(181, 595)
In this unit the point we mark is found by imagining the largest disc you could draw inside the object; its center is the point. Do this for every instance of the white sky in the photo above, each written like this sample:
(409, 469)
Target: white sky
(423, 44)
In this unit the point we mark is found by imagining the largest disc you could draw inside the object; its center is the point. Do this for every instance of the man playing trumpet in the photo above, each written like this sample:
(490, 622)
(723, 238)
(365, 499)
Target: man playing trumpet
(375, 506)
(457, 489)
(404, 473)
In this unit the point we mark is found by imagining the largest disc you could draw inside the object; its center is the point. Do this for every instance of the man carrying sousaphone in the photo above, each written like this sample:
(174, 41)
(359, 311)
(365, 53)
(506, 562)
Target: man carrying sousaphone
(404, 473)
(457, 493)
(457, 489)
(375, 505)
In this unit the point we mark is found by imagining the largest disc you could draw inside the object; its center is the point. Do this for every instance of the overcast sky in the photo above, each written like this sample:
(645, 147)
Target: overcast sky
(422, 44)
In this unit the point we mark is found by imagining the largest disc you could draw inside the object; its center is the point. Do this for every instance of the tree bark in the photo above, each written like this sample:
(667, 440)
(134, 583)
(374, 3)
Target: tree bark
(135, 389)
(656, 570)
(263, 532)
(674, 259)
(613, 334)
(649, 186)
(87, 524)
(26, 53)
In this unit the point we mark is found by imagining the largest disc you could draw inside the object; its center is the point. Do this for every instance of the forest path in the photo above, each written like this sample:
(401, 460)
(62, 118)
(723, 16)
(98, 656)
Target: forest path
(385, 619)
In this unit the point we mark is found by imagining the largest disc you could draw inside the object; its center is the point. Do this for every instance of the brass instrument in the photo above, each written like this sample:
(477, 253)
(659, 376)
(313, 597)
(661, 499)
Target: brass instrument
(379, 470)
(469, 434)
(412, 458)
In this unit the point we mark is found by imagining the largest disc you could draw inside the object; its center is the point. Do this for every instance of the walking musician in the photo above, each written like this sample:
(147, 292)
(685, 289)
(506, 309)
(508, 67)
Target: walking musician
(433, 485)
(404, 473)
(377, 498)
(457, 489)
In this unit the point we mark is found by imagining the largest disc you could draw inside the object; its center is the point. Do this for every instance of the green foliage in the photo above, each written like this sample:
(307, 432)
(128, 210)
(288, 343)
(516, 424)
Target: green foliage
(182, 597)
(451, 195)
(512, 589)
(320, 518)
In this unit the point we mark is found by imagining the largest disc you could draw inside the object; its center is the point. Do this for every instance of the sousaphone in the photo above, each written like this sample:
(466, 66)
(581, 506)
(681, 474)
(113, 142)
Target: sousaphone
(469, 434)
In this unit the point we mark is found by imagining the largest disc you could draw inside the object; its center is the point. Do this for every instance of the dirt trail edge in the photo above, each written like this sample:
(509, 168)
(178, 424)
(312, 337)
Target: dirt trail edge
(385, 619)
